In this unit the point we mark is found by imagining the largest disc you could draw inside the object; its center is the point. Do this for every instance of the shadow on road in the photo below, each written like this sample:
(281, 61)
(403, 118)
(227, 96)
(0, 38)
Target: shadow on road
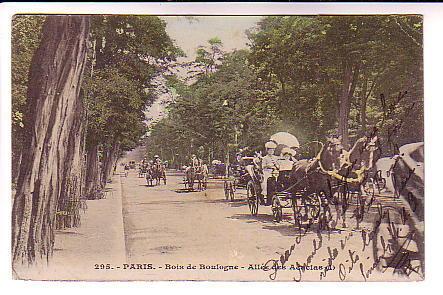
(237, 203)
(286, 227)
(64, 232)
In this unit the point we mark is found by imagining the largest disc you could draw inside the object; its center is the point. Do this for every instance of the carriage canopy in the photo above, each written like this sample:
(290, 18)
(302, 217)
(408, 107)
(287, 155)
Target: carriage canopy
(285, 138)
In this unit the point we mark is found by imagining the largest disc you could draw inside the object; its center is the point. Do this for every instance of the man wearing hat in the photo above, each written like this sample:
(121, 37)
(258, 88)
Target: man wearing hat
(195, 162)
(157, 160)
(286, 164)
(269, 165)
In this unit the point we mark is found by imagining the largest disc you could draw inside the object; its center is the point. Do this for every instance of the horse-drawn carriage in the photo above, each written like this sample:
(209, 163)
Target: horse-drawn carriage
(142, 170)
(238, 178)
(332, 177)
(217, 169)
(196, 174)
(303, 204)
(155, 172)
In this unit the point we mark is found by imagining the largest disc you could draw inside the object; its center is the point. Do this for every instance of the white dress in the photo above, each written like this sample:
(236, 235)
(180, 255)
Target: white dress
(269, 164)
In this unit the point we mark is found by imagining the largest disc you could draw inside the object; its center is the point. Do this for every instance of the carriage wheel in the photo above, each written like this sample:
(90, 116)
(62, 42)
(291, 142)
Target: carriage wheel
(231, 191)
(306, 208)
(226, 190)
(314, 205)
(253, 199)
(297, 209)
(277, 210)
(369, 187)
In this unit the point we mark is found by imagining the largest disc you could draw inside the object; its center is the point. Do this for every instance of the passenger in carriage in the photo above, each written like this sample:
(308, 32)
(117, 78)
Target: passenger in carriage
(269, 165)
(238, 165)
(286, 163)
(195, 162)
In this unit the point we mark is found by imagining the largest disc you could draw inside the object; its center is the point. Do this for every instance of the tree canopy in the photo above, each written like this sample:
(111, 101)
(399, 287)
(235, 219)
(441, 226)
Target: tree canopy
(312, 76)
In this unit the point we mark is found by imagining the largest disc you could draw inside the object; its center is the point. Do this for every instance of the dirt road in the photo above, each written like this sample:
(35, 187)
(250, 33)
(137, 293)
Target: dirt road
(201, 236)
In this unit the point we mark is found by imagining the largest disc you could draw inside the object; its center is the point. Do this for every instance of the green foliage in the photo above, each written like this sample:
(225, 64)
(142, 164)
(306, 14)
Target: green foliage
(128, 53)
(216, 114)
(26, 35)
(208, 59)
(115, 108)
(292, 78)
(304, 59)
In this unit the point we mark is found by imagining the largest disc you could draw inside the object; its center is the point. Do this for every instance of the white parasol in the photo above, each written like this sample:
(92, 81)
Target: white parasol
(285, 138)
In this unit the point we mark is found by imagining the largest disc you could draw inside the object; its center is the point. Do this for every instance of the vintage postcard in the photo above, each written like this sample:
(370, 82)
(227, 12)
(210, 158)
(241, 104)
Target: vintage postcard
(217, 148)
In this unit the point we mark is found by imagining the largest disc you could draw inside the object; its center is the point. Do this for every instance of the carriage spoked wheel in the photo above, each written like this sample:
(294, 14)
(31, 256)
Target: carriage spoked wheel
(297, 209)
(234, 185)
(226, 190)
(231, 191)
(369, 187)
(205, 183)
(314, 205)
(277, 211)
(253, 198)
(306, 208)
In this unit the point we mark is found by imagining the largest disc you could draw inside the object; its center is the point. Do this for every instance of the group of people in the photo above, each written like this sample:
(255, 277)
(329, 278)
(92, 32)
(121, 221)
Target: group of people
(278, 165)
(156, 161)
(272, 165)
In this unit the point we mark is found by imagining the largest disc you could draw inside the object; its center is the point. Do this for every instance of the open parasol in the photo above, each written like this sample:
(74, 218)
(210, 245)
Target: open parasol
(286, 139)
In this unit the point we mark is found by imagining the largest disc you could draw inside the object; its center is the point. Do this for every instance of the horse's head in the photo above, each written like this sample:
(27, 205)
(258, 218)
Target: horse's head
(334, 146)
(330, 153)
(365, 151)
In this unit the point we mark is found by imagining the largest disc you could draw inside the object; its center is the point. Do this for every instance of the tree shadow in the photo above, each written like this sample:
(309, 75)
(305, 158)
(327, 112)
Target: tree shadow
(236, 203)
(65, 232)
(148, 185)
(286, 227)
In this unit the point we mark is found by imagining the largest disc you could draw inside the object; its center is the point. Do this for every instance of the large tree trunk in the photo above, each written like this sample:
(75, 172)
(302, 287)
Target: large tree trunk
(71, 191)
(350, 77)
(92, 179)
(109, 160)
(16, 160)
(53, 93)
(366, 93)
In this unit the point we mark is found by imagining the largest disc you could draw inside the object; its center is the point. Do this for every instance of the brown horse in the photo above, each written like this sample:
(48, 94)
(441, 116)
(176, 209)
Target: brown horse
(365, 152)
(149, 175)
(308, 174)
(159, 172)
(189, 178)
(360, 161)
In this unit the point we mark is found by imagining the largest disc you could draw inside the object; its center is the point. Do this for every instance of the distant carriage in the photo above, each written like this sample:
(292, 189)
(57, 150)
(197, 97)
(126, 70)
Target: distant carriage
(239, 177)
(218, 169)
(142, 170)
(198, 174)
(155, 172)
